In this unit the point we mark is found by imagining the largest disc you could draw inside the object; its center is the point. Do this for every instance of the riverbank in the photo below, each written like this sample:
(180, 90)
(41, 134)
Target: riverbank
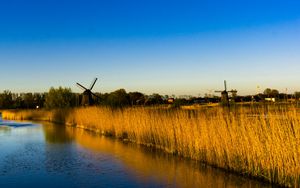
(259, 142)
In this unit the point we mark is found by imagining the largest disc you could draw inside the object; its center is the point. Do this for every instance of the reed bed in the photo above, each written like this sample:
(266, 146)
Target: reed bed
(262, 142)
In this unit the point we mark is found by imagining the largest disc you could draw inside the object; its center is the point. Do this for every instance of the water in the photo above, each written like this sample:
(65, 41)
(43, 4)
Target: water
(55, 156)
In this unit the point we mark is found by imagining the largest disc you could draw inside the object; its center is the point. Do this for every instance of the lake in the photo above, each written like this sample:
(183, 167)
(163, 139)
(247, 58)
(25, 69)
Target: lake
(48, 155)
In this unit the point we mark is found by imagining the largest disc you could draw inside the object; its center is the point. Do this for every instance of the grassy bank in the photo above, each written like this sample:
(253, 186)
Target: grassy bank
(263, 142)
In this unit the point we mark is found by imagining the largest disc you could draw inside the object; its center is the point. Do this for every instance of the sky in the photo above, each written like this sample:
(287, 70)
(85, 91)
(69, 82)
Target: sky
(152, 46)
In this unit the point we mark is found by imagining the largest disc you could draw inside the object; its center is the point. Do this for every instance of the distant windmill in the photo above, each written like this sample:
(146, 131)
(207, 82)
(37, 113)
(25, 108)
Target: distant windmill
(224, 94)
(87, 95)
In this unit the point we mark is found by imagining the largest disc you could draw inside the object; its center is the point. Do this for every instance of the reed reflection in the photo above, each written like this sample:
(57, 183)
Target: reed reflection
(162, 167)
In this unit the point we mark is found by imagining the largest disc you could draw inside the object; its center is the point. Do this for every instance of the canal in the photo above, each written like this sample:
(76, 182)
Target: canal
(48, 155)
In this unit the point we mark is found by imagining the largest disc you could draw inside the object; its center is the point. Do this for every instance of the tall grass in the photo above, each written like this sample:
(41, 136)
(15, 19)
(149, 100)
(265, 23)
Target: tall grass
(172, 170)
(262, 142)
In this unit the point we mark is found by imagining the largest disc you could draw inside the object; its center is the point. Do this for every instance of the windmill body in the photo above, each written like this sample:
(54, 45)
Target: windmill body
(225, 96)
(87, 96)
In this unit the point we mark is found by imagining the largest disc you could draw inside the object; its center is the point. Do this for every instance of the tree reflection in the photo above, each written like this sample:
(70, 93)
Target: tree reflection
(56, 134)
(161, 167)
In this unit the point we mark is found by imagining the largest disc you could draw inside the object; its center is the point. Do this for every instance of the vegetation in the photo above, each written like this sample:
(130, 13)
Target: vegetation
(60, 98)
(297, 95)
(271, 92)
(9, 100)
(6, 100)
(260, 141)
(118, 98)
(64, 98)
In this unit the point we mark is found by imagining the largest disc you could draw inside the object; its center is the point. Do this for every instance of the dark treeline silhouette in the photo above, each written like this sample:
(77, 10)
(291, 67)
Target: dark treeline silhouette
(9, 100)
(65, 98)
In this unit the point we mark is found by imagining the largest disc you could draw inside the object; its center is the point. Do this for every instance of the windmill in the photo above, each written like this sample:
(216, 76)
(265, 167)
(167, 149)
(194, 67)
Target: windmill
(87, 95)
(224, 94)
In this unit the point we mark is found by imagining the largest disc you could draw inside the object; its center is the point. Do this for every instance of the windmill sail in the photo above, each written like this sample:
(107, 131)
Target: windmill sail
(93, 83)
(81, 86)
(87, 95)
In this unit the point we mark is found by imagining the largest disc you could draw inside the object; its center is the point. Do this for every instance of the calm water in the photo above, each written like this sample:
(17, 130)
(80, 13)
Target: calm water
(53, 156)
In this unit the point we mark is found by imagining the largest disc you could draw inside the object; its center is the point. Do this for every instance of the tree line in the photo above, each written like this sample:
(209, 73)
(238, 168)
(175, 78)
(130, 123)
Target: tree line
(64, 98)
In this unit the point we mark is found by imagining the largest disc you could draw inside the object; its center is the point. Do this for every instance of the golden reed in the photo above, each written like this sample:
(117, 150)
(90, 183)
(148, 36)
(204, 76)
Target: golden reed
(262, 142)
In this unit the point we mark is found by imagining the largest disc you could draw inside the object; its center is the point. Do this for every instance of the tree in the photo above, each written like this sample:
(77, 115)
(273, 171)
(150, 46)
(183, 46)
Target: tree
(180, 102)
(18, 102)
(274, 93)
(297, 95)
(60, 98)
(39, 99)
(29, 100)
(154, 99)
(118, 98)
(6, 100)
(267, 91)
(136, 98)
(271, 92)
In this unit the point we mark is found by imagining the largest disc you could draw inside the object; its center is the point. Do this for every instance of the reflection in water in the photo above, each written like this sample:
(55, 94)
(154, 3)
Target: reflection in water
(4, 129)
(56, 134)
(58, 156)
(162, 167)
(58, 148)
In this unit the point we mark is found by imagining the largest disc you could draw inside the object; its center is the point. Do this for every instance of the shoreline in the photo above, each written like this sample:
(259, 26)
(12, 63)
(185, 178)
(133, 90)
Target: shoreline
(179, 134)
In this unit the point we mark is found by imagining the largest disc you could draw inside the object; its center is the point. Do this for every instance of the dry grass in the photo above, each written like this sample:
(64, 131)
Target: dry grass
(263, 142)
(162, 167)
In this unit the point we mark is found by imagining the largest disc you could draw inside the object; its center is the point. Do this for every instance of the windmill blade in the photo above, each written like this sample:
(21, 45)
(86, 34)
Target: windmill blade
(218, 91)
(225, 85)
(93, 83)
(81, 86)
(233, 91)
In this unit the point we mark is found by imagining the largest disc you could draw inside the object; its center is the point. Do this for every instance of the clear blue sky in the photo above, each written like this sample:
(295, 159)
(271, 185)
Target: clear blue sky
(162, 46)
